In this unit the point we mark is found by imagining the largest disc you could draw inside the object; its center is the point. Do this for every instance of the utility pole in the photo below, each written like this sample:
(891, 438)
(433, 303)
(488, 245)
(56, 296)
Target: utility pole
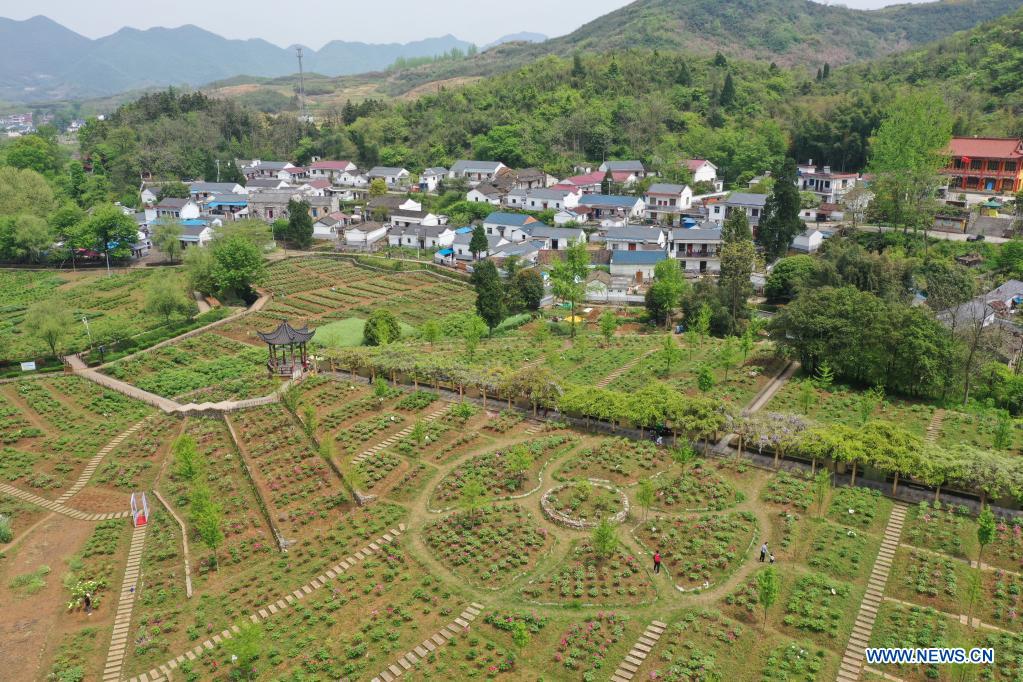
(218, 170)
(301, 84)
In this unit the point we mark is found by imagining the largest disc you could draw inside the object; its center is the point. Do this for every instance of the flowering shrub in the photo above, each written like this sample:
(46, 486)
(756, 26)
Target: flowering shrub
(699, 550)
(937, 527)
(505, 422)
(489, 547)
(586, 502)
(788, 490)
(816, 605)
(929, 575)
(692, 647)
(491, 469)
(616, 459)
(793, 663)
(415, 401)
(506, 621)
(699, 488)
(838, 551)
(861, 507)
(585, 646)
(1004, 590)
(585, 578)
(1006, 550)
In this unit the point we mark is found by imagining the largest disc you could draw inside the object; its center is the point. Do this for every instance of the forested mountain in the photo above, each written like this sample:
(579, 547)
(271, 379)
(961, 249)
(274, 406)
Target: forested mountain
(73, 66)
(657, 106)
(976, 71)
(798, 33)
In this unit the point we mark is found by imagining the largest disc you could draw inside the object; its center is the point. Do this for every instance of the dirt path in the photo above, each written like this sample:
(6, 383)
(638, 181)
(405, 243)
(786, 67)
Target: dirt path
(30, 624)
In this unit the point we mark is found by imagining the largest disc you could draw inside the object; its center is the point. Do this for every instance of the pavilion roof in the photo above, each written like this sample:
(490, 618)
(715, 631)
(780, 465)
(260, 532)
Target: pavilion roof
(285, 334)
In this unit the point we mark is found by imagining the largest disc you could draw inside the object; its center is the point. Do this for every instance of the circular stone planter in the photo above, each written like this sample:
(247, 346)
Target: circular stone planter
(578, 524)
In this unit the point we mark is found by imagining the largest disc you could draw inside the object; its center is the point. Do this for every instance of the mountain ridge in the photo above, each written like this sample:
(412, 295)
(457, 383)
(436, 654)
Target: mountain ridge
(77, 67)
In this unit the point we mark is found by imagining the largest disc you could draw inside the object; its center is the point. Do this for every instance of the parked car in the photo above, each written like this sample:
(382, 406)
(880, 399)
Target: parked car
(975, 238)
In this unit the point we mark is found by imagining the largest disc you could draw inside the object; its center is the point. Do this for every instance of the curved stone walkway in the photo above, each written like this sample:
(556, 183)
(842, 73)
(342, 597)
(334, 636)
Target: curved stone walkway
(90, 468)
(58, 507)
(164, 672)
(852, 665)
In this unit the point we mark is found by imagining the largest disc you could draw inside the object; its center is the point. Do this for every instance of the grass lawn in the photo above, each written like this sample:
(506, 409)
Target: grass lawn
(347, 333)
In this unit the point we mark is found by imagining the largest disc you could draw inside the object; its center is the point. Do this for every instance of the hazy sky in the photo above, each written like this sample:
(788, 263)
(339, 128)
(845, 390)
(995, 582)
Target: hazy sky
(315, 22)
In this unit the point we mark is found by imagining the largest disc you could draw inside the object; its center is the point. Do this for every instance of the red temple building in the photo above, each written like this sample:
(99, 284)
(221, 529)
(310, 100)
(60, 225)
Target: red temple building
(985, 164)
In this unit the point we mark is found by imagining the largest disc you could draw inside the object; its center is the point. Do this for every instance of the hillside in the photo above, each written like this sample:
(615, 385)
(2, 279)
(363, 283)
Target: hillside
(799, 33)
(75, 67)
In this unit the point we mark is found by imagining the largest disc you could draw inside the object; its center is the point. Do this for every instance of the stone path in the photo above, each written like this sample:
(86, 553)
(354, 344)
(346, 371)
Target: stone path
(934, 428)
(606, 381)
(395, 437)
(853, 661)
(122, 621)
(429, 644)
(200, 302)
(55, 506)
(640, 650)
(90, 468)
(772, 388)
(164, 672)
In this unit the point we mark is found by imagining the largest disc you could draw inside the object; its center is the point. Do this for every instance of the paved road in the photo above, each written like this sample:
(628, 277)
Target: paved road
(933, 234)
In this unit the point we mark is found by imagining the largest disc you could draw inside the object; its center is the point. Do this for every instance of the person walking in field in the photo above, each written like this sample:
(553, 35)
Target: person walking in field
(657, 561)
(763, 552)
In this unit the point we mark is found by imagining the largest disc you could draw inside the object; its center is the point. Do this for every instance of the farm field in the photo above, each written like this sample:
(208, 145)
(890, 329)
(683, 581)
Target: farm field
(361, 525)
(104, 300)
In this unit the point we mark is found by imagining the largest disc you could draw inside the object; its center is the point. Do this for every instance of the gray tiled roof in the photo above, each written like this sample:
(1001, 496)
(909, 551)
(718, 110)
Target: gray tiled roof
(665, 188)
(746, 199)
(634, 233)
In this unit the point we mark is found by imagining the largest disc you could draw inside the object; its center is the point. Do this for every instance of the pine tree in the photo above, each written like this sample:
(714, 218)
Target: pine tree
(578, 70)
(478, 242)
(826, 72)
(736, 227)
(780, 222)
(820, 75)
(719, 60)
(727, 91)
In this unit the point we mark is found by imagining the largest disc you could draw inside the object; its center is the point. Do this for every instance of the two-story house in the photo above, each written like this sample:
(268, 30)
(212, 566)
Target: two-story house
(327, 170)
(704, 171)
(698, 249)
(829, 187)
(665, 202)
(172, 208)
(430, 178)
(752, 204)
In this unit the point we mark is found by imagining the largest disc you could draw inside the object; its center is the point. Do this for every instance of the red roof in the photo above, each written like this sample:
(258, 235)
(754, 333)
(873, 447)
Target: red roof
(319, 183)
(594, 178)
(622, 176)
(987, 147)
(694, 164)
(330, 165)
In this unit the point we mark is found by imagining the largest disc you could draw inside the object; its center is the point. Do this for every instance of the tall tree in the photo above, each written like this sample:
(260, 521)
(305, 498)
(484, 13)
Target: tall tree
(111, 232)
(664, 296)
(490, 295)
(568, 276)
(780, 222)
(300, 224)
(166, 298)
(768, 587)
(906, 153)
(528, 288)
(237, 265)
(737, 259)
(478, 242)
(736, 228)
(167, 238)
(49, 321)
